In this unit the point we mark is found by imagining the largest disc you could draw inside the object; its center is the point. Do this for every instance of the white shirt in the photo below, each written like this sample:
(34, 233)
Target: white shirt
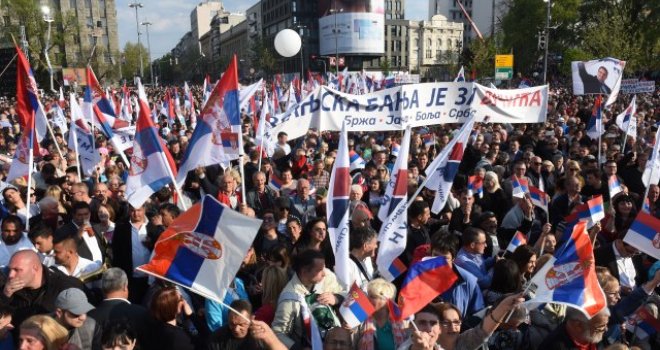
(140, 252)
(356, 275)
(47, 259)
(84, 267)
(94, 247)
(626, 268)
(285, 147)
(6, 251)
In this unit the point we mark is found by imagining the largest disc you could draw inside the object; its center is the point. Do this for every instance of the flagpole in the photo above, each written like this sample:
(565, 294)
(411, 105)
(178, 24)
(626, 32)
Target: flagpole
(30, 165)
(52, 134)
(170, 173)
(600, 133)
(75, 147)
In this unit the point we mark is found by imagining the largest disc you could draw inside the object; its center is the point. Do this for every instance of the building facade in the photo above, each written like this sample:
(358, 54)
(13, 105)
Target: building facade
(433, 47)
(484, 13)
(200, 17)
(81, 24)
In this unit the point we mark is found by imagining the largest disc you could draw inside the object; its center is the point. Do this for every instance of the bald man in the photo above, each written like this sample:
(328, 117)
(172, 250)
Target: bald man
(31, 288)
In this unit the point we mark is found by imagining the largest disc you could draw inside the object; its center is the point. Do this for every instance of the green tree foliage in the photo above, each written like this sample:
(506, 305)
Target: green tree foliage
(482, 57)
(263, 57)
(385, 66)
(131, 66)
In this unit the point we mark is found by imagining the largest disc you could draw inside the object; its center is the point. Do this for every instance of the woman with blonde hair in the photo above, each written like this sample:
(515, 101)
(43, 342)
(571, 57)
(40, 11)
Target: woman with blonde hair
(381, 331)
(56, 192)
(573, 169)
(42, 332)
(493, 196)
(273, 281)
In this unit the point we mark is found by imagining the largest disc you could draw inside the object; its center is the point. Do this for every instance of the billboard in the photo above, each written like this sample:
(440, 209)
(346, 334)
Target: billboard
(72, 76)
(359, 24)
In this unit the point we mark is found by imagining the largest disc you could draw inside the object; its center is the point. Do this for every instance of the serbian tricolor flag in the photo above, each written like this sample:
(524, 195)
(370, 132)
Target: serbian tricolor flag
(98, 108)
(275, 182)
(539, 198)
(337, 209)
(646, 205)
(569, 277)
(206, 90)
(356, 308)
(520, 187)
(475, 185)
(203, 248)
(395, 149)
(460, 77)
(595, 126)
(614, 186)
(429, 140)
(644, 234)
(626, 121)
(217, 137)
(152, 166)
(31, 118)
(518, 239)
(643, 323)
(81, 139)
(424, 282)
(393, 214)
(591, 212)
(444, 167)
(356, 161)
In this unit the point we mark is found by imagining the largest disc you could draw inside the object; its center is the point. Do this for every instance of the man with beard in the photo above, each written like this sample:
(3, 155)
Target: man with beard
(578, 332)
(13, 238)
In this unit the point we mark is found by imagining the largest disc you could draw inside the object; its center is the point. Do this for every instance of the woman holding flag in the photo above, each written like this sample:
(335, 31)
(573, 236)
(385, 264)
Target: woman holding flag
(381, 331)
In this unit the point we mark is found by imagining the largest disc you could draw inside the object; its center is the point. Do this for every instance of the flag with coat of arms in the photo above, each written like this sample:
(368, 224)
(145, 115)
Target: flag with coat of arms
(337, 209)
(203, 248)
(217, 137)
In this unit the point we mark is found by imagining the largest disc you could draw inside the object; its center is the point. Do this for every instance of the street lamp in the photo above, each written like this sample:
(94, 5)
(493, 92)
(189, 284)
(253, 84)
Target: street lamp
(48, 19)
(151, 66)
(547, 41)
(137, 5)
(335, 31)
(301, 28)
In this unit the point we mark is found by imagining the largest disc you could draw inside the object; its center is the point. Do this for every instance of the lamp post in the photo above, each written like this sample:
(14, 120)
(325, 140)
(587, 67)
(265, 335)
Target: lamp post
(301, 29)
(137, 5)
(151, 66)
(547, 41)
(48, 19)
(335, 31)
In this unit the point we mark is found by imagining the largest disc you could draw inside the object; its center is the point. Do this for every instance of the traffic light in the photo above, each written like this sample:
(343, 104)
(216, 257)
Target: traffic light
(542, 42)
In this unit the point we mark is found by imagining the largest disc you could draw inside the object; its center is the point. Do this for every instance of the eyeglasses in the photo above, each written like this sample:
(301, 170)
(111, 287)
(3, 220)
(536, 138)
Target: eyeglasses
(451, 323)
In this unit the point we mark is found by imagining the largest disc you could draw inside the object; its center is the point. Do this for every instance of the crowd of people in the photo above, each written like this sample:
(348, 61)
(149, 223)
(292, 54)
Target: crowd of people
(70, 281)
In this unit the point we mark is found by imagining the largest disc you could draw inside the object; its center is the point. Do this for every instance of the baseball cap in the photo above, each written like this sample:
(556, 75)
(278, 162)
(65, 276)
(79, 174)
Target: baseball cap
(74, 301)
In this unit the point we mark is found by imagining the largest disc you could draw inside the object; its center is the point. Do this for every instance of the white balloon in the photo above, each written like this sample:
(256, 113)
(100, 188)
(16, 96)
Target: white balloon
(287, 42)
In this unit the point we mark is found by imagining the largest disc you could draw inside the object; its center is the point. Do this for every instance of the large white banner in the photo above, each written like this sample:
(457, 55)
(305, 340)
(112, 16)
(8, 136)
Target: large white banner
(598, 77)
(326, 109)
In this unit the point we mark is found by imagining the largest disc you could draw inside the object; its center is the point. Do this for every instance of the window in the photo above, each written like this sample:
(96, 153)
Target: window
(293, 6)
(7, 20)
(439, 43)
(429, 42)
(437, 53)
(428, 54)
(416, 43)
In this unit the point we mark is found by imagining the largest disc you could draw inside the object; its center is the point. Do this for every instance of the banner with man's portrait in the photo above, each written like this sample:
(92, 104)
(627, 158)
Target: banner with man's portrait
(601, 76)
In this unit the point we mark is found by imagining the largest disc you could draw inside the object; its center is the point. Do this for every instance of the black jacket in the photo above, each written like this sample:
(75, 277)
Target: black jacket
(222, 339)
(112, 311)
(559, 340)
(29, 302)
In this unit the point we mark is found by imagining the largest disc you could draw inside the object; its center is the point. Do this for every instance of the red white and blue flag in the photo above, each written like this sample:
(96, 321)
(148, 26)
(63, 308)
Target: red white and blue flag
(516, 241)
(31, 118)
(460, 77)
(395, 149)
(626, 121)
(207, 89)
(81, 139)
(337, 209)
(643, 323)
(393, 214)
(520, 187)
(217, 137)
(203, 248)
(569, 277)
(644, 234)
(356, 308)
(614, 186)
(275, 182)
(357, 162)
(475, 185)
(429, 140)
(595, 126)
(152, 165)
(424, 282)
(539, 198)
(651, 173)
(444, 167)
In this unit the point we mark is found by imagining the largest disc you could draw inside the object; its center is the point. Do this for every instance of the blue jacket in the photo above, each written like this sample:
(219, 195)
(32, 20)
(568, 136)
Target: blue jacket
(217, 314)
(464, 293)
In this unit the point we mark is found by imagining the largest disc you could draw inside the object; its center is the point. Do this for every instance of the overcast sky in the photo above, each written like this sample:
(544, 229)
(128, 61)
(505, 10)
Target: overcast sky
(171, 19)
